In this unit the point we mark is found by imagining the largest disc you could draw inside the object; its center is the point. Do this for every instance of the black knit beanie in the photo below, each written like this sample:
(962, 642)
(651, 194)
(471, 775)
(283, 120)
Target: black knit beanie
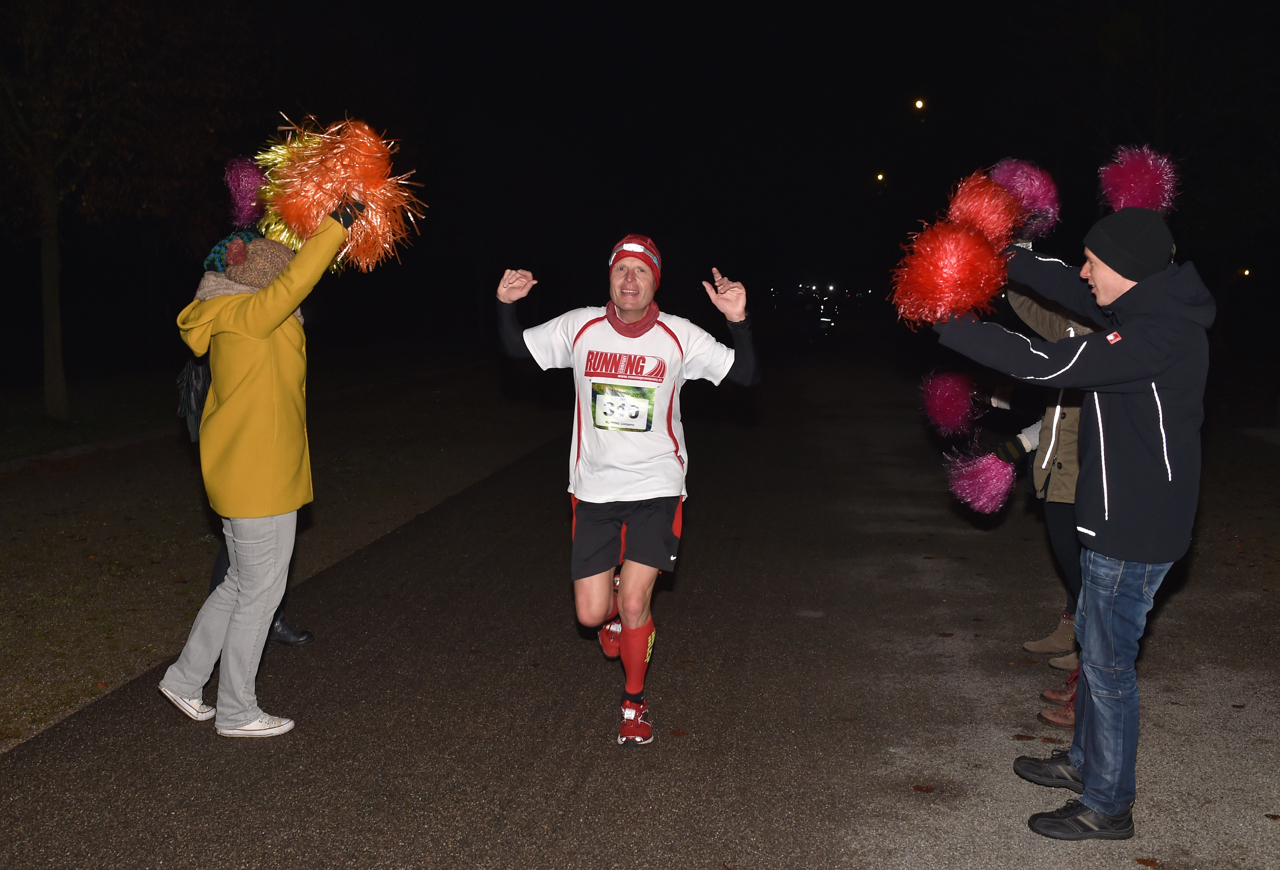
(1133, 241)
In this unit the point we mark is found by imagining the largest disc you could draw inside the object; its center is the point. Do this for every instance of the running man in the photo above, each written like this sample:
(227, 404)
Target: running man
(628, 461)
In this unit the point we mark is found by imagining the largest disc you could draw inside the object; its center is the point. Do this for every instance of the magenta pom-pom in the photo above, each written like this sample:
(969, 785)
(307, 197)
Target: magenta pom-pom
(981, 203)
(1139, 178)
(1035, 192)
(245, 179)
(949, 270)
(981, 482)
(948, 402)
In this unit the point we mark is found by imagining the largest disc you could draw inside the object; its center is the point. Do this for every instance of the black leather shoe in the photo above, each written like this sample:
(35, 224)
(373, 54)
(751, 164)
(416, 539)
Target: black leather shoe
(1075, 821)
(1055, 771)
(283, 632)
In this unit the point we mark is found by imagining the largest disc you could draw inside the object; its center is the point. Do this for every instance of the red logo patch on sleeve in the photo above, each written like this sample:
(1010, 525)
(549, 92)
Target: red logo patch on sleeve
(1113, 337)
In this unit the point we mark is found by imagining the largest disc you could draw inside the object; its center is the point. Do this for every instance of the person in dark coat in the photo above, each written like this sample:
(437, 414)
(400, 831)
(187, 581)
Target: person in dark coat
(1143, 375)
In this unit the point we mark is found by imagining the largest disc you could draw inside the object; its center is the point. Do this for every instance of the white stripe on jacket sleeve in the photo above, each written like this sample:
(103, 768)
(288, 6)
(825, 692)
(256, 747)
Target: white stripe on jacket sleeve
(1102, 444)
(1164, 441)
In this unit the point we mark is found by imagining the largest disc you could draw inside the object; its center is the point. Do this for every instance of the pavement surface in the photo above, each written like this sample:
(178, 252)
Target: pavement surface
(838, 680)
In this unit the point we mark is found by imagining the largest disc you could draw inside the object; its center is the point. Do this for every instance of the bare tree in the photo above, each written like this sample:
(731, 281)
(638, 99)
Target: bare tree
(102, 107)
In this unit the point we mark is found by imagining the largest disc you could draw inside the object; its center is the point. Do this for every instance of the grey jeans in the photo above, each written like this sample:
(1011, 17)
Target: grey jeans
(235, 619)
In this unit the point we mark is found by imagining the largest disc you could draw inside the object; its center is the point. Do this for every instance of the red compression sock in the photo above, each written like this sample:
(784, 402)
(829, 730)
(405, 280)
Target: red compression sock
(636, 648)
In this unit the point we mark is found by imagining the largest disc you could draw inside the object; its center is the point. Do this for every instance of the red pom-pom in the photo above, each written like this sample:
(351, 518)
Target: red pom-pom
(985, 205)
(949, 270)
(948, 401)
(981, 482)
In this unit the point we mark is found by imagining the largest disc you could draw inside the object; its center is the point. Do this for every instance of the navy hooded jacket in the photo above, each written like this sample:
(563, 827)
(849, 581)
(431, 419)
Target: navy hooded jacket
(1144, 373)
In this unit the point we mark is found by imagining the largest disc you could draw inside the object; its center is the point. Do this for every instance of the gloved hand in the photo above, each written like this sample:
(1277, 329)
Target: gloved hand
(1013, 450)
(347, 212)
(997, 398)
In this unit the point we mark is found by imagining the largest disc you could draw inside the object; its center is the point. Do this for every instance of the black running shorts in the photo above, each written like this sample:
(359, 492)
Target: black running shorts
(647, 532)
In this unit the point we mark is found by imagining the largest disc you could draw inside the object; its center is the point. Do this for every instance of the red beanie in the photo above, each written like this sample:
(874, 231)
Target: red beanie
(642, 248)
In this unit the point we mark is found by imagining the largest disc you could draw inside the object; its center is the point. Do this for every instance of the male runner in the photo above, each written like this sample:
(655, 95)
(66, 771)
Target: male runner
(628, 462)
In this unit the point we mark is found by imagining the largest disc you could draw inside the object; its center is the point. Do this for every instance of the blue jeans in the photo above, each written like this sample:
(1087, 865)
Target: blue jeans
(1115, 598)
(235, 619)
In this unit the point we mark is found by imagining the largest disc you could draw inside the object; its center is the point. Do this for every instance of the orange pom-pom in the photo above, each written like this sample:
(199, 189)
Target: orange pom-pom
(314, 171)
(950, 269)
(986, 206)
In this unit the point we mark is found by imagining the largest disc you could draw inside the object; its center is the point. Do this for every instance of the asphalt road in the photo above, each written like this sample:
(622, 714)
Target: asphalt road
(837, 681)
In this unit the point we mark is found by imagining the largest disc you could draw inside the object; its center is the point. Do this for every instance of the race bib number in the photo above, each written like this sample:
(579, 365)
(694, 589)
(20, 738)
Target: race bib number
(622, 408)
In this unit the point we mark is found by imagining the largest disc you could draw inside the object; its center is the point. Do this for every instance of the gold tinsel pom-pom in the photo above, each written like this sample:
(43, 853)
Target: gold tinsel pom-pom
(311, 171)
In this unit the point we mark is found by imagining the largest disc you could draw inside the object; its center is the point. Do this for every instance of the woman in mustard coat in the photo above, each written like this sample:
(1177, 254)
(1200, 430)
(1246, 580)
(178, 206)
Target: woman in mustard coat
(256, 466)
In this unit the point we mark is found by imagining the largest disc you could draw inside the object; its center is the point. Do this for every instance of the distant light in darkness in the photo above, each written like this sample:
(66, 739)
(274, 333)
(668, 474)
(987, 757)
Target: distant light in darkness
(919, 104)
(1246, 272)
(879, 176)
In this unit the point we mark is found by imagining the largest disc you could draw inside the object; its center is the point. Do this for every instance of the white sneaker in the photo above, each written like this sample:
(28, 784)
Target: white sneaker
(263, 726)
(193, 707)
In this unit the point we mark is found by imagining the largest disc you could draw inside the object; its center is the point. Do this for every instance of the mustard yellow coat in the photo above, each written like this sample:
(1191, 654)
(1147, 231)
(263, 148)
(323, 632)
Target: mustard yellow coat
(253, 435)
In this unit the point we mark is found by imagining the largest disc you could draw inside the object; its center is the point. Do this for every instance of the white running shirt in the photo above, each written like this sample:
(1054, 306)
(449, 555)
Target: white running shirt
(628, 441)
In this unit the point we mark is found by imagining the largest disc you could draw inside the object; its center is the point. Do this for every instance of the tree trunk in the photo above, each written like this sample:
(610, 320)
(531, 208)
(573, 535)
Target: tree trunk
(55, 378)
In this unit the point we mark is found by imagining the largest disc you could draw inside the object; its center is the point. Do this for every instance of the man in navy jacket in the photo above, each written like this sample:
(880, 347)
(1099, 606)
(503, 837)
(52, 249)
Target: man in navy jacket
(1144, 375)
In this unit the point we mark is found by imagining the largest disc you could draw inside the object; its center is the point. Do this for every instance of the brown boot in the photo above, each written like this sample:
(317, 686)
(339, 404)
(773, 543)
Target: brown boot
(1063, 694)
(1063, 639)
(1069, 662)
(1059, 717)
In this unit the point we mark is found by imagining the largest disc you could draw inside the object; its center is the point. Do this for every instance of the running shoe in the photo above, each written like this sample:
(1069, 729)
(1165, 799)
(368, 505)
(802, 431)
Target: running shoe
(611, 632)
(636, 727)
(611, 638)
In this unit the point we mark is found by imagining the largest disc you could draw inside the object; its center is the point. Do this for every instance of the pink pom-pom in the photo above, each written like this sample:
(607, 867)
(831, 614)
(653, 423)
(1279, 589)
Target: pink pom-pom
(1035, 192)
(245, 180)
(949, 270)
(1139, 178)
(948, 401)
(981, 482)
(981, 203)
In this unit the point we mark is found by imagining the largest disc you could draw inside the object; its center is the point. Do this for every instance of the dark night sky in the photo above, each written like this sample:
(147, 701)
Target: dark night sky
(744, 137)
